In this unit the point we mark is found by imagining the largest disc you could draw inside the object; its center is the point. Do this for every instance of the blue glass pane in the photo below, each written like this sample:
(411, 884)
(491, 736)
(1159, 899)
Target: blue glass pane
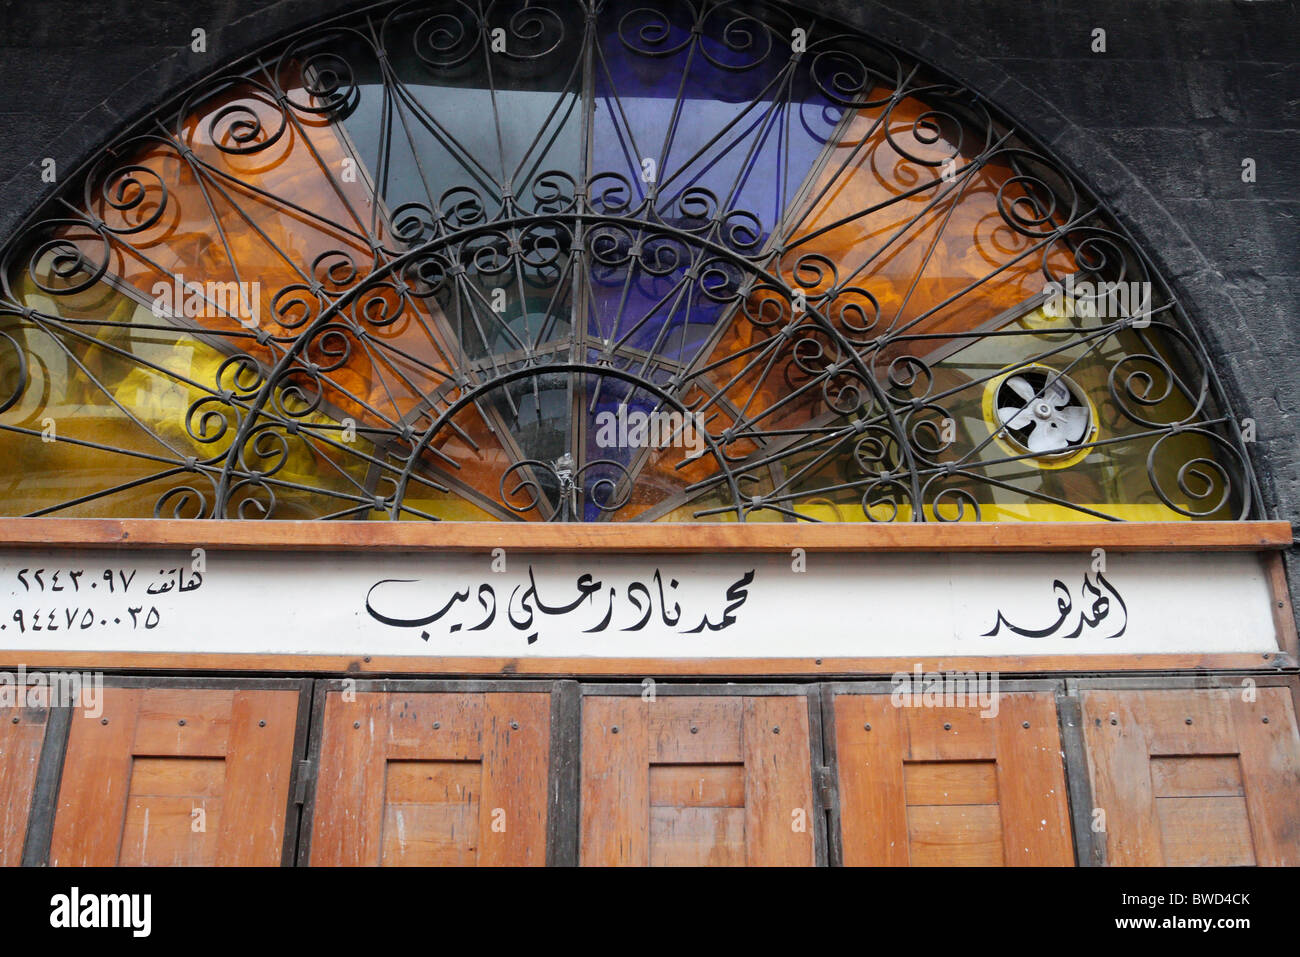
(705, 131)
(725, 110)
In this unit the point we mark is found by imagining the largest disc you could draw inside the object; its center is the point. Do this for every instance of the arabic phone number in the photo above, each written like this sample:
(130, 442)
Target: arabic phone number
(138, 617)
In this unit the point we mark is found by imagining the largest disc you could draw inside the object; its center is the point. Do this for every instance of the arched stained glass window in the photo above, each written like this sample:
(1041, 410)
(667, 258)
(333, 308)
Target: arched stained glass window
(596, 260)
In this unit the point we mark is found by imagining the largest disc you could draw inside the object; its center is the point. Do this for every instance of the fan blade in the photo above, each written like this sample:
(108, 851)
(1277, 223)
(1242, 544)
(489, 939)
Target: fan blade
(1015, 418)
(1045, 440)
(1073, 422)
(1021, 387)
(1057, 394)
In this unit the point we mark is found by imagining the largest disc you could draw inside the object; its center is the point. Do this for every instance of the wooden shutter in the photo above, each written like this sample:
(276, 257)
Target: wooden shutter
(948, 786)
(1186, 777)
(720, 780)
(134, 777)
(22, 735)
(429, 778)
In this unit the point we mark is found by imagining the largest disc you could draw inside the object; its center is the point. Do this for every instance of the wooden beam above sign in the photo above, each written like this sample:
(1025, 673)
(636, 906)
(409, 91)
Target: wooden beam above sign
(633, 537)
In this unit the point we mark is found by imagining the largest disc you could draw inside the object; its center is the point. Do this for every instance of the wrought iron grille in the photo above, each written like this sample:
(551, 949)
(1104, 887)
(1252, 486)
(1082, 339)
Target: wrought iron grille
(596, 260)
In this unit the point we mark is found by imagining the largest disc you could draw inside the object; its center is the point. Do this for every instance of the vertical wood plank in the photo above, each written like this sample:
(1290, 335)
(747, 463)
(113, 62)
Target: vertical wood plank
(616, 782)
(1031, 783)
(1119, 765)
(516, 750)
(347, 822)
(259, 765)
(96, 781)
(20, 755)
(1270, 774)
(1283, 613)
(778, 782)
(873, 806)
(564, 780)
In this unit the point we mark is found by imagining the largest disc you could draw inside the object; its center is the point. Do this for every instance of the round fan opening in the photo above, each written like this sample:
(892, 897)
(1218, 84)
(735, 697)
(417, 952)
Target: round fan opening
(1042, 412)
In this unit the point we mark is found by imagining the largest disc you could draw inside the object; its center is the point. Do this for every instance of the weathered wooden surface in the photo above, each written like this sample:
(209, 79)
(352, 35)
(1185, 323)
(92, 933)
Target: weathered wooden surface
(135, 777)
(947, 786)
(710, 780)
(634, 537)
(1195, 777)
(428, 778)
(22, 732)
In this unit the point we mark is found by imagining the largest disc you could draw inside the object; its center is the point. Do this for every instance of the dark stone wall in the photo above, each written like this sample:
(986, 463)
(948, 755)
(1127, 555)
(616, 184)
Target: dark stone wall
(1157, 126)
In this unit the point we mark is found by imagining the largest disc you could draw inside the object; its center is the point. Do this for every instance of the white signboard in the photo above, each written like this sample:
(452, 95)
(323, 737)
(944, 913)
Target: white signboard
(669, 605)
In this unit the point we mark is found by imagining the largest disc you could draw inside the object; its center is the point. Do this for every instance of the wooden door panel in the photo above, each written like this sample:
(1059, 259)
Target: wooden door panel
(949, 786)
(615, 762)
(778, 783)
(22, 735)
(1194, 777)
(715, 780)
(429, 778)
(164, 793)
(179, 777)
